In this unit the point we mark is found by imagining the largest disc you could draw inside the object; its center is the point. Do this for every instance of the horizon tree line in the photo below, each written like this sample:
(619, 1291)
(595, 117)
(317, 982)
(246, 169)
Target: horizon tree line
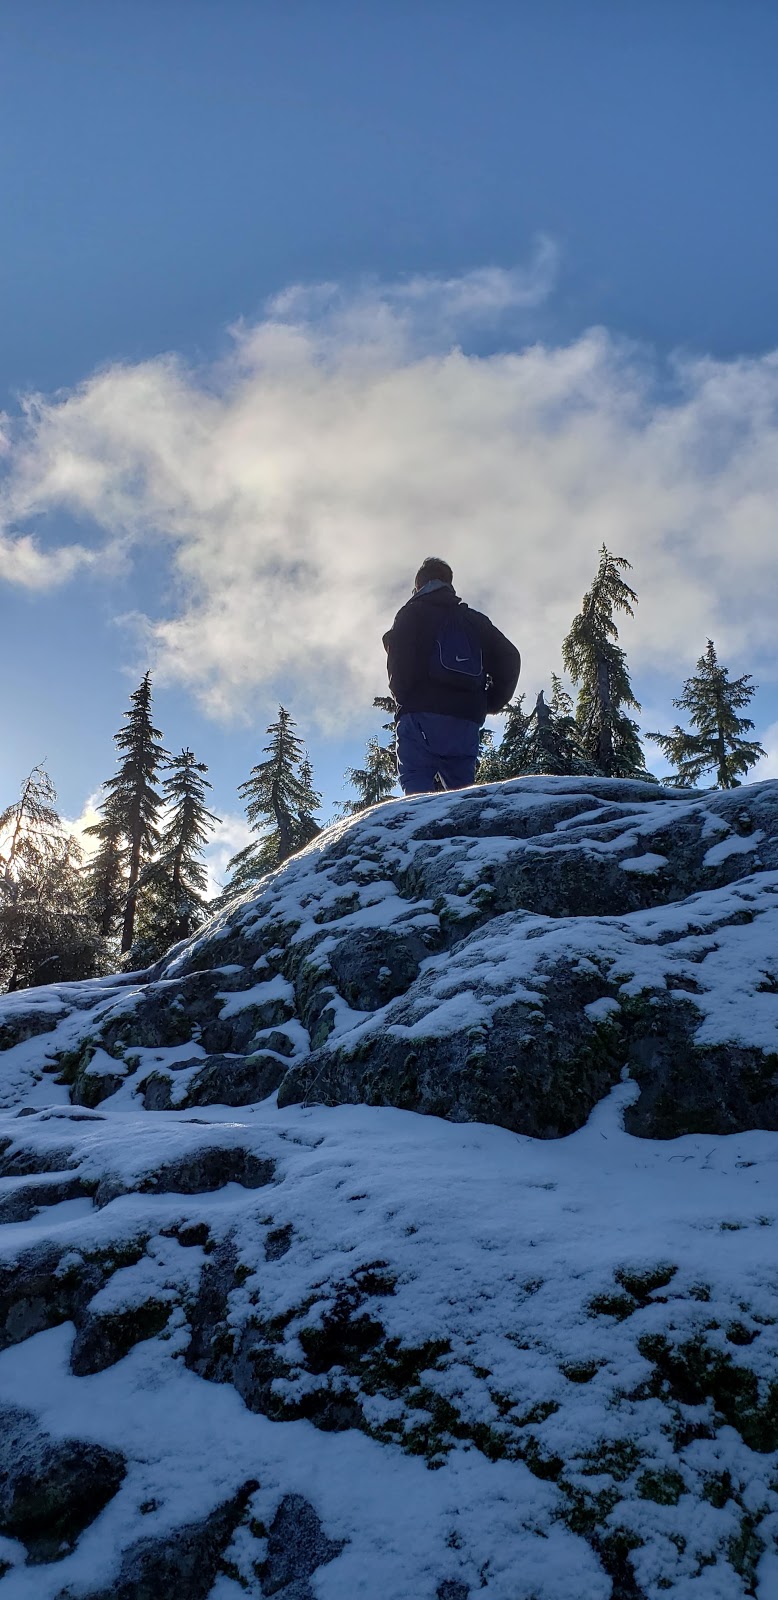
(145, 887)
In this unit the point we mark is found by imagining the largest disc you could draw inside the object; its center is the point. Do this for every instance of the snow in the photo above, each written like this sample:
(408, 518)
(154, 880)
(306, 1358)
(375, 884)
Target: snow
(601, 1010)
(504, 1253)
(103, 1065)
(649, 862)
(497, 1243)
(276, 988)
(700, 941)
(737, 845)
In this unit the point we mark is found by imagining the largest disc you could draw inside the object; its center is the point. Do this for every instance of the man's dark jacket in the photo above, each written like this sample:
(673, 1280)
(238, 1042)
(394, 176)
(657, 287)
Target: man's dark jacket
(409, 647)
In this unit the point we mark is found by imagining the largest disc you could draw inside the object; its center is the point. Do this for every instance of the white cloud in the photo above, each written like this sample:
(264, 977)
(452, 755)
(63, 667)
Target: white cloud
(23, 562)
(420, 310)
(768, 766)
(77, 826)
(231, 835)
(294, 486)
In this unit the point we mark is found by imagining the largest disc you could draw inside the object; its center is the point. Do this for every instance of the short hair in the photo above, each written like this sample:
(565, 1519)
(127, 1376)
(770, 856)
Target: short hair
(433, 567)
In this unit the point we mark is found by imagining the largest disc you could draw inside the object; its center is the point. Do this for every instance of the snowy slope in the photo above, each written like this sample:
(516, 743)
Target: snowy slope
(347, 1350)
(495, 955)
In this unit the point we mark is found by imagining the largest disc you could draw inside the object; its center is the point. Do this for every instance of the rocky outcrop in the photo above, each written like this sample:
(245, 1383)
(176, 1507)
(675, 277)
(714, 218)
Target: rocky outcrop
(366, 1362)
(500, 955)
(262, 1331)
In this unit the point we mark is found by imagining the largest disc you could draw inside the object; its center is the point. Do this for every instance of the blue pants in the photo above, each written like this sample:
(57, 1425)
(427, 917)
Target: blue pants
(429, 743)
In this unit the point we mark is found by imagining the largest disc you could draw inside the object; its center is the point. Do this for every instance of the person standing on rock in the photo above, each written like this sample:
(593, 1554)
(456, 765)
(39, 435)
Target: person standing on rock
(448, 667)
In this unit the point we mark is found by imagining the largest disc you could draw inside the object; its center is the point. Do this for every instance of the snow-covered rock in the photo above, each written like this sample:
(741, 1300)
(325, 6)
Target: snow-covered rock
(316, 1345)
(454, 955)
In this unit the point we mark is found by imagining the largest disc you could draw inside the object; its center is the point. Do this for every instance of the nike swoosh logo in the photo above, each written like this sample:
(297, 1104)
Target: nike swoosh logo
(463, 658)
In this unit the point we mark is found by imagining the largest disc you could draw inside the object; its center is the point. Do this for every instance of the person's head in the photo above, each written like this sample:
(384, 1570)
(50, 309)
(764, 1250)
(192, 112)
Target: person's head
(433, 567)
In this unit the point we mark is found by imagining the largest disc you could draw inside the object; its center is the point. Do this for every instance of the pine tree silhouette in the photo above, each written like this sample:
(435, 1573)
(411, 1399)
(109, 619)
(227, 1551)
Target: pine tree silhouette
(598, 665)
(504, 760)
(713, 701)
(545, 741)
(375, 781)
(106, 873)
(173, 903)
(281, 803)
(552, 742)
(131, 808)
(304, 824)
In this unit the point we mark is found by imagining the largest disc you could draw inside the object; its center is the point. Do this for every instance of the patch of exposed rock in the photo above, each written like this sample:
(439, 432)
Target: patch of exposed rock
(51, 1489)
(498, 955)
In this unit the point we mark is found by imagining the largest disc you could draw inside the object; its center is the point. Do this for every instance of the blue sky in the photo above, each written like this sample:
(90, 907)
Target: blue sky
(493, 179)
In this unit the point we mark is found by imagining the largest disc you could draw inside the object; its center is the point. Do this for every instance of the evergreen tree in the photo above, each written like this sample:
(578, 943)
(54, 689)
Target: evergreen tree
(375, 781)
(545, 741)
(384, 702)
(717, 745)
(130, 810)
(304, 824)
(512, 742)
(45, 927)
(173, 904)
(598, 665)
(388, 745)
(506, 760)
(561, 701)
(552, 742)
(489, 769)
(106, 874)
(280, 804)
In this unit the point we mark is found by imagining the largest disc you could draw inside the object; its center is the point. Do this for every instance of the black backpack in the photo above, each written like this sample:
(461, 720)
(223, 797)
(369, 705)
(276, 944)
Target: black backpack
(457, 658)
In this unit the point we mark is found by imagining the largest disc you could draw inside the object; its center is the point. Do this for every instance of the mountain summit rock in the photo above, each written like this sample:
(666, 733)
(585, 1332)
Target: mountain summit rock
(265, 1329)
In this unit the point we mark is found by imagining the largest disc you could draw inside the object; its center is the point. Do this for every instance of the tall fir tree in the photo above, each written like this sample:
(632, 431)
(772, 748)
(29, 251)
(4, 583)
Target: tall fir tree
(545, 740)
(489, 769)
(173, 903)
(552, 743)
(106, 872)
(511, 749)
(375, 781)
(281, 805)
(598, 666)
(46, 932)
(385, 703)
(132, 804)
(304, 824)
(712, 701)
(504, 760)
